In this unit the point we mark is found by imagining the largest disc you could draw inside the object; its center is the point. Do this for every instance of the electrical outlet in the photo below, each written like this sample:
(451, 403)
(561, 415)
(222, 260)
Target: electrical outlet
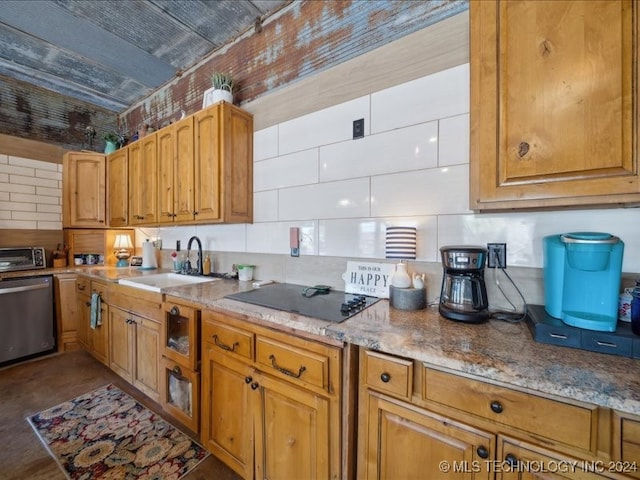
(497, 255)
(358, 128)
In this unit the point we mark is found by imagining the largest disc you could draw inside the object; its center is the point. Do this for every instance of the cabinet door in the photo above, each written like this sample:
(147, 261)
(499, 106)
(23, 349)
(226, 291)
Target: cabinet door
(100, 336)
(292, 432)
(521, 461)
(402, 441)
(183, 170)
(121, 337)
(84, 319)
(208, 170)
(84, 189)
(227, 422)
(146, 372)
(143, 185)
(166, 152)
(118, 193)
(66, 312)
(541, 135)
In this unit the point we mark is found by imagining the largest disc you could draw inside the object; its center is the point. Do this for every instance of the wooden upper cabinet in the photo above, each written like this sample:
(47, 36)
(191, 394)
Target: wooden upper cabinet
(183, 170)
(553, 104)
(143, 183)
(84, 189)
(175, 172)
(223, 165)
(118, 192)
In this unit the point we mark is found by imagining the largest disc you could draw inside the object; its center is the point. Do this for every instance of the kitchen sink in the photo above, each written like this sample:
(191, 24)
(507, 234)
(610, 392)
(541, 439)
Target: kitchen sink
(160, 281)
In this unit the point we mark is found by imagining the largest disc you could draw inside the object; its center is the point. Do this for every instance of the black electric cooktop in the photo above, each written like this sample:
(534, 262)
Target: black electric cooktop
(334, 306)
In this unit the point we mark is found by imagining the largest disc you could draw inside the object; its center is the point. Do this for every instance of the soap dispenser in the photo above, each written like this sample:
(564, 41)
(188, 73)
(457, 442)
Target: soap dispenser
(206, 266)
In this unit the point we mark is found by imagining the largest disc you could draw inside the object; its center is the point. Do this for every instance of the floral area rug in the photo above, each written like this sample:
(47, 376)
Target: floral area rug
(106, 434)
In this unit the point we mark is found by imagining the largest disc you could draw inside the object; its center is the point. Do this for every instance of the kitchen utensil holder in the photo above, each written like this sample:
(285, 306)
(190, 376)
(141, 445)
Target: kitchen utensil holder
(408, 298)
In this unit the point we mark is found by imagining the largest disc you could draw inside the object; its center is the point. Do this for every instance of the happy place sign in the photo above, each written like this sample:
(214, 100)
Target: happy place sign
(371, 279)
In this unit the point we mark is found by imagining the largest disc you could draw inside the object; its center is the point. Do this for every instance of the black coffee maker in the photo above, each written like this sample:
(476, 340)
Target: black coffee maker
(464, 294)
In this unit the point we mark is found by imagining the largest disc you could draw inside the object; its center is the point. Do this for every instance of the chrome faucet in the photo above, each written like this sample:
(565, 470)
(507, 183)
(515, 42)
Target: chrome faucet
(199, 263)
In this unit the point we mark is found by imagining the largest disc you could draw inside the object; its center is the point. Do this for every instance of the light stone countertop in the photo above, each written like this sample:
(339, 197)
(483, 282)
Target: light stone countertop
(498, 352)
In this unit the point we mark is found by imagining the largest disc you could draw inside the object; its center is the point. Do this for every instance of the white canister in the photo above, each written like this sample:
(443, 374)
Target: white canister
(245, 272)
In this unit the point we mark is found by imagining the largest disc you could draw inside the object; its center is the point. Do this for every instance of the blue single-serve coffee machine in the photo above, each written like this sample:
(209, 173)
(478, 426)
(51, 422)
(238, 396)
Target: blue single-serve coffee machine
(582, 273)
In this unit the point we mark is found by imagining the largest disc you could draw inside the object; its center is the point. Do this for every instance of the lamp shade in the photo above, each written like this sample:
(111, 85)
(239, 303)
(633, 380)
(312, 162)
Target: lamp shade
(401, 242)
(122, 241)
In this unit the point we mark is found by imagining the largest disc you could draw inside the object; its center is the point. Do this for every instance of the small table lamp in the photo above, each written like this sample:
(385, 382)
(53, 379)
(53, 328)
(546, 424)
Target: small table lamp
(122, 246)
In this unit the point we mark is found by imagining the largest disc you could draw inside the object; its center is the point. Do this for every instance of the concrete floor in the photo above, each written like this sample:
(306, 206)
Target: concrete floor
(35, 385)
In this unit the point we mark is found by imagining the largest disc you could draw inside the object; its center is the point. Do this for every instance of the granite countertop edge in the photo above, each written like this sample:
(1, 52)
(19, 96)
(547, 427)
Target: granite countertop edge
(498, 352)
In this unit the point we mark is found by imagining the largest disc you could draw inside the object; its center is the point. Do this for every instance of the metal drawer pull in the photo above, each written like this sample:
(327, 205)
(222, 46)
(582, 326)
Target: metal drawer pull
(496, 407)
(558, 335)
(272, 357)
(385, 377)
(228, 348)
(606, 344)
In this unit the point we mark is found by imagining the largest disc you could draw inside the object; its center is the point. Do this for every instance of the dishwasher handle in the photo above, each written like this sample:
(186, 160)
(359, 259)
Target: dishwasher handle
(24, 288)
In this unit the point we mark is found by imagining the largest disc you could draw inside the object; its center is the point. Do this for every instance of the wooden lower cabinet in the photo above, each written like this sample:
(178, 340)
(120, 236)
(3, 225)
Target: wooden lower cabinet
(417, 421)
(523, 461)
(271, 402)
(135, 350)
(134, 339)
(93, 339)
(401, 441)
(67, 312)
(227, 425)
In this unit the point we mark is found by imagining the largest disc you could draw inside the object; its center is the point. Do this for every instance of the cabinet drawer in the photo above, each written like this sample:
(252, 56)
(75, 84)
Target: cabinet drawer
(228, 339)
(388, 374)
(101, 289)
(294, 363)
(83, 286)
(571, 424)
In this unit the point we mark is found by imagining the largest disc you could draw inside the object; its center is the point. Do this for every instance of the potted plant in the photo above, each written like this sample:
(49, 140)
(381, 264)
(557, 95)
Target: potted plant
(111, 141)
(221, 90)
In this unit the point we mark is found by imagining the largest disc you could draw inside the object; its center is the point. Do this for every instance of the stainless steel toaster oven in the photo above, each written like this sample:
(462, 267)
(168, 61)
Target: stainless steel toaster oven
(22, 258)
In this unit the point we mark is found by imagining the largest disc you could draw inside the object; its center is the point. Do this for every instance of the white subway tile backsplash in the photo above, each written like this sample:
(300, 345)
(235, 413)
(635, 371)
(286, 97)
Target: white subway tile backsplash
(453, 145)
(347, 198)
(300, 168)
(48, 208)
(14, 188)
(334, 124)
(4, 178)
(50, 192)
(265, 143)
(434, 191)
(273, 237)
(411, 148)
(42, 182)
(18, 224)
(17, 170)
(441, 95)
(365, 237)
(4, 158)
(40, 216)
(265, 206)
(19, 206)
(26, 162)
(21, 197)
(51, 175)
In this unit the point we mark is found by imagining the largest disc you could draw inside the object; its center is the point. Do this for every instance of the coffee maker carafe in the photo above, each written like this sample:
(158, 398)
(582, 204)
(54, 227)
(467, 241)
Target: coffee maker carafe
(464, 294)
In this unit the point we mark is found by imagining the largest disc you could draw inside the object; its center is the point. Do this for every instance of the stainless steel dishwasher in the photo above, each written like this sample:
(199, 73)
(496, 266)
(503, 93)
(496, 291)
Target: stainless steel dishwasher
(26, 318)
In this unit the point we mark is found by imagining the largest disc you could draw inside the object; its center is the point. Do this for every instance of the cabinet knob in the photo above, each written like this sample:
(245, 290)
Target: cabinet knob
(511, 460)
(248, 380)
(496, 407)
(385, 377)
(177, 370)
(482, 451)
(254, 386)
(174, 310)
(195, 213)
